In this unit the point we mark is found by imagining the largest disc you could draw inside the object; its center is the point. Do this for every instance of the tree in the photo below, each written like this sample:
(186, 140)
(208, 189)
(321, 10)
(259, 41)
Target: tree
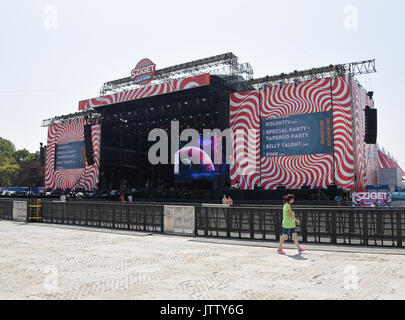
(34, 156)
(7, 151)
(8, 172)
(21, 155)
(19, 168)
(8, 167)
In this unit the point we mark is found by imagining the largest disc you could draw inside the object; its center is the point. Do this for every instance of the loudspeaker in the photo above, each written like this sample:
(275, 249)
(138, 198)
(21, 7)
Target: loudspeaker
(88, 145)
(370, 125)
(42, 154)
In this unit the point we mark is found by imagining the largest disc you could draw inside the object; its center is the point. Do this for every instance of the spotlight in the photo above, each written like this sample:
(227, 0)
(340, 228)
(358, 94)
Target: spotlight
(370, 94)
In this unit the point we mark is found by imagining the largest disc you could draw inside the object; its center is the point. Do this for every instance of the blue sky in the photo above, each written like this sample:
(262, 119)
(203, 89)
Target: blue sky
(45, 71)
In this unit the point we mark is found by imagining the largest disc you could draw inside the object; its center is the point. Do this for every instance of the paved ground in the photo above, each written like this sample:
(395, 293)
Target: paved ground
(42, 261)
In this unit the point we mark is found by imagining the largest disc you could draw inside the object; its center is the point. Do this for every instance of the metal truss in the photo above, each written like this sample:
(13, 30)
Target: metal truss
(224, 63)
(331, 71)
(87, 114)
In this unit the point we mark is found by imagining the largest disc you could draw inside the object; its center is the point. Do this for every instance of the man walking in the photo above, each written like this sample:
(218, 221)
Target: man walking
(289, 225)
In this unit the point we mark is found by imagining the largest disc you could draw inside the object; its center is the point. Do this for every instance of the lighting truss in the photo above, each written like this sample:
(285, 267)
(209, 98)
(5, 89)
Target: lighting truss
(87, 114)
(226, 61)
(332, 71)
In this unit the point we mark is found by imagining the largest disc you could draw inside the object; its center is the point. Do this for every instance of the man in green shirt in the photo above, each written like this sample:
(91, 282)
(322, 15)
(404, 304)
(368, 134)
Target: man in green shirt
(289, 225)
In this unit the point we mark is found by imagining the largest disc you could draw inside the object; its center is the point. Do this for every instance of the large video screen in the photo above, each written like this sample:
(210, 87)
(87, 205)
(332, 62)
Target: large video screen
(198, 164)
(294, 135)
(70, 156)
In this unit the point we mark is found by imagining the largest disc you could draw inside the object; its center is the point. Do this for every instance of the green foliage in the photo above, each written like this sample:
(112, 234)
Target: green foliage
(34, 157)
(8, 173)
(21, 155)
(7, 151)
(15, 164)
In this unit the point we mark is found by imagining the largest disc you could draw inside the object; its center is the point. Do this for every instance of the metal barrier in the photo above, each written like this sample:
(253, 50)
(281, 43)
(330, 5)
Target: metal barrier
(6, 209)
(105, 215)
(351, 226)
(340, 225)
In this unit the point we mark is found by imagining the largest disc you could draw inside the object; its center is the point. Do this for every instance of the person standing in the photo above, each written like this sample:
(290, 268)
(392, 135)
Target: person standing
(224, 200)
(289, 225)
(230, 201)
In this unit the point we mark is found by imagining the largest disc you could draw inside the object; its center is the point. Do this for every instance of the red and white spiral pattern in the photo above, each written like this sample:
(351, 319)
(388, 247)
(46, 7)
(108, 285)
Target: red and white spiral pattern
(294, 171)
(316, 171)
(343, 133)
(244, 116)
(149, 91)
(307, 97)
(360, 101)
(86, 178)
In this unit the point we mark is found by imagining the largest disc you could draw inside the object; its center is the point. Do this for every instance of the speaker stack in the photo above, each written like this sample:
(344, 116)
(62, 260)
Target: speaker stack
(370, 125)
(88, 145)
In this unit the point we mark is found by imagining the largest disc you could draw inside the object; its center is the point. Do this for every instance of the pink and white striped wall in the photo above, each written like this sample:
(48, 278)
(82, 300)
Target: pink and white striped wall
(317, 171)
(85, 178)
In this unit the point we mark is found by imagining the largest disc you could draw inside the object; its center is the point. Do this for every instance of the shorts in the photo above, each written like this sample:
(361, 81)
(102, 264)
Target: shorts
(289, 231)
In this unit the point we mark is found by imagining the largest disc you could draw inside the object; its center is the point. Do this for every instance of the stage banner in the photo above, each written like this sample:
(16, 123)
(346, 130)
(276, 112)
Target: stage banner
(372, 199)
(70, 156)
(147, 91)
(66, 165)
(294, 135)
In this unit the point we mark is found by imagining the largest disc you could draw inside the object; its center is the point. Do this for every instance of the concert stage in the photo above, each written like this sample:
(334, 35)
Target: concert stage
(304, 133)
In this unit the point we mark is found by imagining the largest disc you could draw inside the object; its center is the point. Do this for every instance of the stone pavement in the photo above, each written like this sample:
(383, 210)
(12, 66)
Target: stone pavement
(43, 261)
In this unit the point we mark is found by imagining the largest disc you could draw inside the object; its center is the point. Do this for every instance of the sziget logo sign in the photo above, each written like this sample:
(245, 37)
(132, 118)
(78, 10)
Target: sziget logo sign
(144, 72)
(371, 199)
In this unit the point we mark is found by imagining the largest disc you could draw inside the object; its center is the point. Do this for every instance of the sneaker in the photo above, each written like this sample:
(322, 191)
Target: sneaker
(301, 250)
(280, 251)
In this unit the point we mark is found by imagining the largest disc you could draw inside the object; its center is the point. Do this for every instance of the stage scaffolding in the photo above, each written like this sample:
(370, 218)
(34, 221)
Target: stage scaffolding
(224, 64)
(331, 71)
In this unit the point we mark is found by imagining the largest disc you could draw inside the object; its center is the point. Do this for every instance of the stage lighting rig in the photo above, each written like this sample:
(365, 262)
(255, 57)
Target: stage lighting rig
(331, 71)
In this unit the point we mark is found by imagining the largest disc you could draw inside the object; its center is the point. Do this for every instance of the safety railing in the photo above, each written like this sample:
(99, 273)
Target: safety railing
(105, 215)
(339, 225)
(6, 210)
(350, 226)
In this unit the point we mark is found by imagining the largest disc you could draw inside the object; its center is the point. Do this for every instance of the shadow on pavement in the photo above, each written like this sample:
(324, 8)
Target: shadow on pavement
(297, 257)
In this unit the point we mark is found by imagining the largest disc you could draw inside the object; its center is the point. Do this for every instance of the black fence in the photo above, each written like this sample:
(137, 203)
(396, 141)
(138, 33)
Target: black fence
(105, 215)
(328, 225)
(6, 210)
(351, 226)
